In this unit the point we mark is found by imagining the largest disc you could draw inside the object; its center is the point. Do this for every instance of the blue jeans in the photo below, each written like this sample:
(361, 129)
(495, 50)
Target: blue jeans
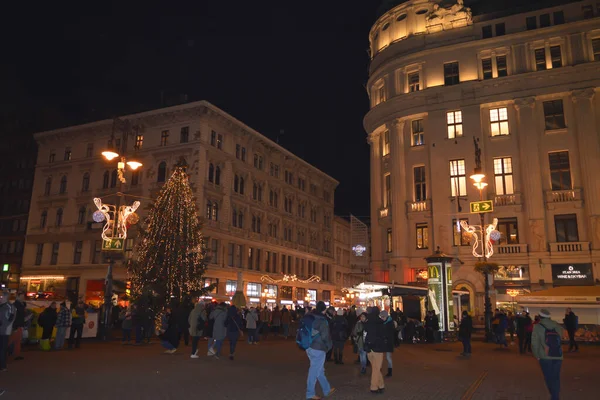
(388, 357)
(363, 358)
(551, 371)
(59, 340)
(466, 345)
(216, 344)
(286, 329)
(252, 337)
(167, 345)
(316, 371)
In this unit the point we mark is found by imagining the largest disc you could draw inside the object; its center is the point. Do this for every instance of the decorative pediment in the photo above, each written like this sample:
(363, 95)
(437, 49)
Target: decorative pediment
(443, 19)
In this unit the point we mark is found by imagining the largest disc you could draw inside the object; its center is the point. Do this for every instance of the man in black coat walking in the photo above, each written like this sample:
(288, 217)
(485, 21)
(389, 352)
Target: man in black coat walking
(465, 330)
(570, 322)
(375, 347)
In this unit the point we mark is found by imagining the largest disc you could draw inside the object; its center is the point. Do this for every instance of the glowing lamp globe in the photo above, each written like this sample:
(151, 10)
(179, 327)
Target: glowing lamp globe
(134, 164)
(98, 216)
(110, 155)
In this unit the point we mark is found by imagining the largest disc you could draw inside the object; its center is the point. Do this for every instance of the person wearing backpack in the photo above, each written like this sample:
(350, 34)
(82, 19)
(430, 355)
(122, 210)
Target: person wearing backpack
(196, 321)
(547, 348)
(339, 335)
(571, 322)
(313, 337)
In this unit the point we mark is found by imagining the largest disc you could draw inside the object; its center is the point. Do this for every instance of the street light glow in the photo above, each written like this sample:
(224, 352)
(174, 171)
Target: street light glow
(134, 164)
(110, 155)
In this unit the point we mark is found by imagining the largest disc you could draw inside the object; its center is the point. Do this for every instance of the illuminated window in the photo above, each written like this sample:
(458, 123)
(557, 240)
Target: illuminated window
(503, 175)
(554, 115)
(499, 121)
(420, 184)
(230, 287)
(387, 199)
(458, 180)
(139, 141)
(417, 132)
(68, 154)
(454, 120)
(555, 56)
(451, 74)
(596, 49)
(422, 236)
(386, 143)
(413, 82)
(486, 66)
(380, 94)
(560, 170)
(388, 241)
(253, 289)
(164, 137)
(540, 59)
(460, 237)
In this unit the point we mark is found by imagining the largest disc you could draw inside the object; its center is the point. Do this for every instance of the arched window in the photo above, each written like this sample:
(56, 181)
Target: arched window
(217, 175)
(215, 211)
(241, 185)
(211, 173)
(63, 185)
(48, 186)
(162, 172)
(113, 179)
(105, 180)
(81, 216)
(85, 183)
(59, 216)
(208, 209)
(43, 219)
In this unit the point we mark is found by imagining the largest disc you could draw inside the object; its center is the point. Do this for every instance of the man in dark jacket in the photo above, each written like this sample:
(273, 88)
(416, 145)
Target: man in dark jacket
(465, 330)
(570, 322)
(18, 325)
(522, 321)
(339, 335)
(77, 322)
(375, 348)
(47, 320)
(7, 316)
(320, 345)
(389, 325)
(329, 314)
(183, 314)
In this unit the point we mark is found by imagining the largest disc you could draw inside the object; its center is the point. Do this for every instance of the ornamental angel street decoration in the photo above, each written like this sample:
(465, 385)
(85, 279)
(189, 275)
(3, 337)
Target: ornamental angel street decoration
(106, 212)
(489, 233)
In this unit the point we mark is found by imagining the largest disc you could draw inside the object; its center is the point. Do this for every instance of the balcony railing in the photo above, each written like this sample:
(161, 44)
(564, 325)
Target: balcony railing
(563, 196)
(418, 206)
(511, 249)
(507, 199)
(569, 247)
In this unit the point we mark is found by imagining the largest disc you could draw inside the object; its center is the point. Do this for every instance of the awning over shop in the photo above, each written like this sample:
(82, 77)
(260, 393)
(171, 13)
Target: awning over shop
(397, 290)
(563, 294)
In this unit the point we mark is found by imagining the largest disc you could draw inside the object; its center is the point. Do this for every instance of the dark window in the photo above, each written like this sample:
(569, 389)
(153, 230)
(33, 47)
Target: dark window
(213, 138)
(48, 186)
(509, 234)
(54, 256)
(459, 236)
(59, 217)
(596, 49)
(401, 17)
(531, 23)
(89, 151)
(554, 115)
(559, 17)
(63, 185)
(555, 56)
(486, 66)
(217, 175)
(500, 29)
(451, 74)
(96, 255)
(560, 170)
(51, 157)
(184, 135)
(105, 179)
(566, 228)
(243, 154)
(68, 154)
(238, 150)
(420, 183)
(85, 184)
(162, 172)
(211, 173)
(486, 32)
(413, 82)
(164, 137)
(540, 59)
(81, 215)
(501, 66)
(219, 141)
(38, 254)
(588, 11)
(113, 178)
(77, 252)
(135, 177)
(43, 219)
(544, 20)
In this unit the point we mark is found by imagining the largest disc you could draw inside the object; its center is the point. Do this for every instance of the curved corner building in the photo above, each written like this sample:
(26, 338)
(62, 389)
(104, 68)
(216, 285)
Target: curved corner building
(523, 84)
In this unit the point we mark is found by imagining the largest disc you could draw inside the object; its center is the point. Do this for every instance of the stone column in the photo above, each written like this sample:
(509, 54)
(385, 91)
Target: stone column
(530, 167)
(589, 159)
(376, 203)
(398, 174)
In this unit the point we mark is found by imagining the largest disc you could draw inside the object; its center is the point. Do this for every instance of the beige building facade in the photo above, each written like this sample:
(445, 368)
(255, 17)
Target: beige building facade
(265, 212)
(524, 86)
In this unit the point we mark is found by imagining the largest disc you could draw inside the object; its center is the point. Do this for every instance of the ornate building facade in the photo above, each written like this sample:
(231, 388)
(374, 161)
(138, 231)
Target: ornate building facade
(265, 212)
(521, 83)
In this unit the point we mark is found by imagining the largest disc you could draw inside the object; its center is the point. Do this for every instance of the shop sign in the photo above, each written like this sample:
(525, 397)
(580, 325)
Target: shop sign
(572, 274)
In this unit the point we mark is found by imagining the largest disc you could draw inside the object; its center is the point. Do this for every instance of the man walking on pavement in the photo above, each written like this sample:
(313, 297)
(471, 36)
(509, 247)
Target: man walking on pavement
(571, 324)
(18, 325)
(320, 345)
(546, 345)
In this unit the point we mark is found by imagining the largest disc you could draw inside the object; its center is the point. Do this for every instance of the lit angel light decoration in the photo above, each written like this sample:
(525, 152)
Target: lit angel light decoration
(490, 233)
(290, 278)
(106, 213)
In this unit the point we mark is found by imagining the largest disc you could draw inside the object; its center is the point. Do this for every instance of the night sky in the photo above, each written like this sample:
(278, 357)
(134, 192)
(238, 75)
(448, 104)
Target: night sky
(296, 66)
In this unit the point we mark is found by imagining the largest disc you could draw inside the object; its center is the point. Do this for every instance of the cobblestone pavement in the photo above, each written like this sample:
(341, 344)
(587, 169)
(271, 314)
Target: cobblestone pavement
(277, 369)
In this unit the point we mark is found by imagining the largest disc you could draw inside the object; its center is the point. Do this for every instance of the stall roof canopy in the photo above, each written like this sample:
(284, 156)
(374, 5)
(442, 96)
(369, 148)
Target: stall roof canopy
(399, 290)
(566, 294)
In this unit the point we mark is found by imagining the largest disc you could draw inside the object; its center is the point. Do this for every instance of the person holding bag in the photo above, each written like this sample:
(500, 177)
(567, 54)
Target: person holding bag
(233, 324)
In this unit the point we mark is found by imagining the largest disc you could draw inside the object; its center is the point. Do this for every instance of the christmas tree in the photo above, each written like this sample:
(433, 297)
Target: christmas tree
(170, 259)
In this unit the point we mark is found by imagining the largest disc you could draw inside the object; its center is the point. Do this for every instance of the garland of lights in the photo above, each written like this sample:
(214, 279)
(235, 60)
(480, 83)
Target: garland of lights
(126, 216)
(290, 278)
(490, 233)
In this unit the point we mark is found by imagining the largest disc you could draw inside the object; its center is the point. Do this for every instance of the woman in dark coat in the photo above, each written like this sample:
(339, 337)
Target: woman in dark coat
(169, 333)
(47, 320)
(234, 324)
(464, 333)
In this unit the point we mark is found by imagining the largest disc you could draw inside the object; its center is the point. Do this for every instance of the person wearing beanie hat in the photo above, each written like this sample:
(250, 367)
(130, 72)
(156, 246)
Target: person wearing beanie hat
(339, 335)
(321, 343)
(546, 346)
